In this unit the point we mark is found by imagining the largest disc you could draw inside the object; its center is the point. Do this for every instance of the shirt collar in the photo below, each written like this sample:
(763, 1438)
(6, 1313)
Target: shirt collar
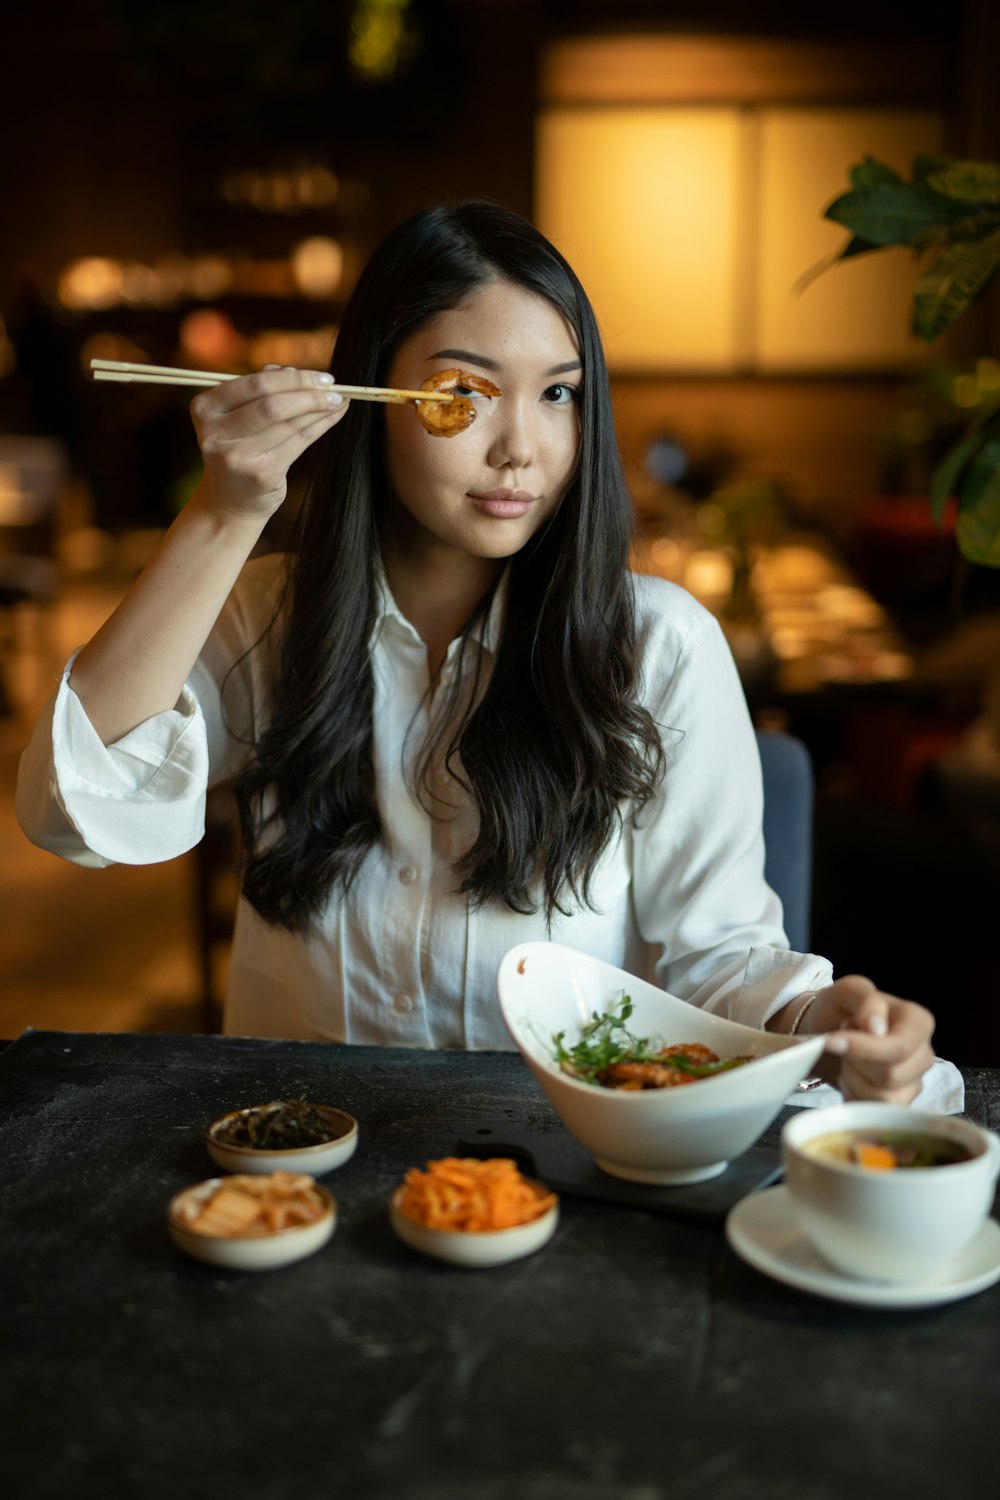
(487, 634)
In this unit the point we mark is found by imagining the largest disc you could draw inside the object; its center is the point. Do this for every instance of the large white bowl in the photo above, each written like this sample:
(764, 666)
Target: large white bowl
(659, 1135)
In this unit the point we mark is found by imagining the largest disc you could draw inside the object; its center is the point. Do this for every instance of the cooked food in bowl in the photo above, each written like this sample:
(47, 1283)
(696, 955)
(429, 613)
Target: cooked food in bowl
(252, 1222)
(252, 1205)
(472, 1196)
(886, 1150)
(473, 1213)
(608, 1055)
(283, 1125)
(889, 1224)
(656, 1135)
(288, 1133)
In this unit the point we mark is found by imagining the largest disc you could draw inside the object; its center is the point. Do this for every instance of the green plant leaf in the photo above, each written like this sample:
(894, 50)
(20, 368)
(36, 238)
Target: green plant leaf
(847, 251)
(947, 474)
(956, 278)
(894, 213)
(978, 526)
(971, 181)
(925, 165)
(857, 246)
(871, 171)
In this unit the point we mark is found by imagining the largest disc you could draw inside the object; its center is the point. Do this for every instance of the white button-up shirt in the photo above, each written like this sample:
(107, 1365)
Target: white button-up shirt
(402, 959)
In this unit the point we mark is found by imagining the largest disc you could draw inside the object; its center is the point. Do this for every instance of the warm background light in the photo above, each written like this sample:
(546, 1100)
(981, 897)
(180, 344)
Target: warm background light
(858, 314)
(210, 276)
(310, 349)
(643, 203)
(317, 265)
(93, 282)
(382, 38)
(208, 341)
(685, 180)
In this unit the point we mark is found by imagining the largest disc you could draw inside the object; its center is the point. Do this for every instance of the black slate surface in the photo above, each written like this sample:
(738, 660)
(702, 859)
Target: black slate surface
(634, 1358)
(555, 1157)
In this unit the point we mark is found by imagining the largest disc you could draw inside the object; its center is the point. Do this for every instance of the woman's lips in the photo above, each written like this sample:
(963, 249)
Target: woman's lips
(504, 504)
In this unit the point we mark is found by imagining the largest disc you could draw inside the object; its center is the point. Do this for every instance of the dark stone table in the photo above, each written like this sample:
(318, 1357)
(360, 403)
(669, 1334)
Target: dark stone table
(634, 1358)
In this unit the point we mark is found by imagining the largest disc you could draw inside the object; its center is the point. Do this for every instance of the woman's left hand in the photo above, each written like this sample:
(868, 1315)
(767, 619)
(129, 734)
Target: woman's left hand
(879, 1047)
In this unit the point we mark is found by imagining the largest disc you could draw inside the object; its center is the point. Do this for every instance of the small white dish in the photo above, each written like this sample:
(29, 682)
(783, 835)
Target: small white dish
(249, 1252)
(316, 1160)
(661, 1136)
(480, 1248)
(764, 1231)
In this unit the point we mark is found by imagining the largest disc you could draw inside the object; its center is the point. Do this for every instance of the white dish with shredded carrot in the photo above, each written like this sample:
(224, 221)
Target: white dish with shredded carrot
(473, 1213)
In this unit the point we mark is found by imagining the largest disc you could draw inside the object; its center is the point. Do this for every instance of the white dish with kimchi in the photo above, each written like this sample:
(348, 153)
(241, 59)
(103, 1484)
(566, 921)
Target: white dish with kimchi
(251, 1222)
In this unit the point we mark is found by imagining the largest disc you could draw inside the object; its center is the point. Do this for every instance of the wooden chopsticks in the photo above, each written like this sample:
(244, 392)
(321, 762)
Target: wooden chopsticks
(136, 374)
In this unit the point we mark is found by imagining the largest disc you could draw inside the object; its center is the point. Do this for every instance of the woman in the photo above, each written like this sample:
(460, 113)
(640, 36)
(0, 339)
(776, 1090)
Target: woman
(465, 724)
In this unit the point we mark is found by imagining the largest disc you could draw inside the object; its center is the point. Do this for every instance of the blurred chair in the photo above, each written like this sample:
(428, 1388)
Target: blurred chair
(788, 829)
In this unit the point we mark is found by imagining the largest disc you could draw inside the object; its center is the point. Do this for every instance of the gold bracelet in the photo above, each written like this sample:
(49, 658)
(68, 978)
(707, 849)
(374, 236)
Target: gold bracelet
(801, 1013)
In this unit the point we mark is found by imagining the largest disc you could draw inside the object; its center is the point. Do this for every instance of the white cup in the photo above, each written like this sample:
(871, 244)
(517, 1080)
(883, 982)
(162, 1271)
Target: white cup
(900, 1225)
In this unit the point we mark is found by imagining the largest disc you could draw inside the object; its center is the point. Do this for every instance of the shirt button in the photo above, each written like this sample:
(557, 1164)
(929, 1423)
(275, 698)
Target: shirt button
(407, 874)
(404, 1004)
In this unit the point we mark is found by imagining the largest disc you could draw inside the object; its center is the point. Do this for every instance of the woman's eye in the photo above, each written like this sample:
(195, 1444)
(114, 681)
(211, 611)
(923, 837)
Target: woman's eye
(462, 390)
(561, 395)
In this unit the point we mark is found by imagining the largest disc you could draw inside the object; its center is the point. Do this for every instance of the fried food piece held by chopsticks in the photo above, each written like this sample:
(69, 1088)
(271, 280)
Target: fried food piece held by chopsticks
(447, 419)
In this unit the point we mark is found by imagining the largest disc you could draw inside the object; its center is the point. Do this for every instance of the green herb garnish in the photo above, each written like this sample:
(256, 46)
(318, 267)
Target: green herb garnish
(604, 1040)
(703, 1070)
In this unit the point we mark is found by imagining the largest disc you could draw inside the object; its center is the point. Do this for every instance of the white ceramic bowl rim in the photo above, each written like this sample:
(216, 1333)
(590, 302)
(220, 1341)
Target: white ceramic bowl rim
(262, 1152)
(201, 1189)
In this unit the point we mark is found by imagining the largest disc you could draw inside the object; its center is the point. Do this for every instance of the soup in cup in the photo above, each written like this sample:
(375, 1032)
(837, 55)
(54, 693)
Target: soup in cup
(886, 1193)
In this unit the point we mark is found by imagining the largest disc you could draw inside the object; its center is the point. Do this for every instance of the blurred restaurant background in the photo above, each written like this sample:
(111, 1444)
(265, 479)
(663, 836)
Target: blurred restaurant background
(198, 184)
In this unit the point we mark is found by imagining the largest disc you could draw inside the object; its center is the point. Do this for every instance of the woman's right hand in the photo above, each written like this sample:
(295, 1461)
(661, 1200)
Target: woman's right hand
(251, 430)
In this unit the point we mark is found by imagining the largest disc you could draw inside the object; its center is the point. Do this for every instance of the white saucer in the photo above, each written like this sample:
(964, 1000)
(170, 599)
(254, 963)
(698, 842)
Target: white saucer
(764, 1230)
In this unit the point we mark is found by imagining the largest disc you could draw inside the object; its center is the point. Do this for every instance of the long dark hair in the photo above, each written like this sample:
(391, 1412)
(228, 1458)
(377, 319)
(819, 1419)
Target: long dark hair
(558, 748)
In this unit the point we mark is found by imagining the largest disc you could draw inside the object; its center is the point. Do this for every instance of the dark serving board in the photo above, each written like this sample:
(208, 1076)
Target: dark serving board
(555, 1158)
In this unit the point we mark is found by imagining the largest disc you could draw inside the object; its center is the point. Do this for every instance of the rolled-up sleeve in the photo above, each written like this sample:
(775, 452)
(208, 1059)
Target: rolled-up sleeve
(138, 801)
(699, 889)
(141, 800)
